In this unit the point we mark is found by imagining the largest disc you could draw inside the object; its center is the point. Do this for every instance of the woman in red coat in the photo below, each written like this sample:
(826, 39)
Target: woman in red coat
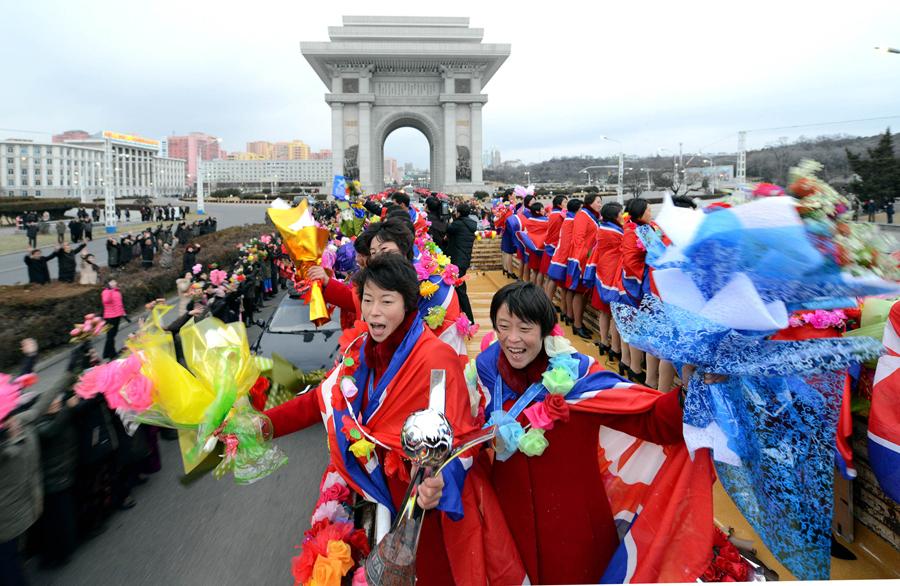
(557, 269)
(635, 281)
(553, 494)
(605, 261)
(383, 378)
(584, 236)
(554, 226)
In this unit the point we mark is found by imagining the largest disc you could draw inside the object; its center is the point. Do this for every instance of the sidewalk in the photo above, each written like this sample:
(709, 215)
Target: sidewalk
(14, 241)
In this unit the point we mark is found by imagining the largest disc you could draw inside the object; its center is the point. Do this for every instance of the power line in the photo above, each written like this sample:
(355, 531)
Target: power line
(823, 124)
(25, 131)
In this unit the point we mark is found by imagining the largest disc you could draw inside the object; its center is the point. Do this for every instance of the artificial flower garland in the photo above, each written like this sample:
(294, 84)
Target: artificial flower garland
(558, 380)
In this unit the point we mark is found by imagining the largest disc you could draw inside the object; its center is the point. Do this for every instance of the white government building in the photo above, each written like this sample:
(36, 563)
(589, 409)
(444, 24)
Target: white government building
(265, 173)
(80, 168)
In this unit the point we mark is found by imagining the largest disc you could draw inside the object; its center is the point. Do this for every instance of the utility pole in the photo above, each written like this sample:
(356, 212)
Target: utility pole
(620, 188)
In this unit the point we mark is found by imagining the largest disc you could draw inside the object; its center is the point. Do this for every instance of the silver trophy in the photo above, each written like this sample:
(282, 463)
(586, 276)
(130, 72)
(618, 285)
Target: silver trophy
(427, 439)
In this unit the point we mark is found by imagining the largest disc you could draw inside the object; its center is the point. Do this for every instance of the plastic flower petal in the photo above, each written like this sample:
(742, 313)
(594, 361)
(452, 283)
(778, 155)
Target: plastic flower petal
(435, 316)
(533, 443)
(538, 417)
(331, 510)
(340, 551)
(554, 345)
(427, 289)
(362, 448)
(558, 381)
(567, 362)
(422, 271)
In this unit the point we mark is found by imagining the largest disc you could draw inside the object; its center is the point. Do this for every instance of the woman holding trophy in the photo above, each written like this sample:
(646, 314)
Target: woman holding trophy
(382, 378)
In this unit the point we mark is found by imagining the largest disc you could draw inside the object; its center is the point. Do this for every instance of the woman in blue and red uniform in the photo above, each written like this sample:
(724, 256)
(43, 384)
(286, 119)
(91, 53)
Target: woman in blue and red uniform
(604, 263)
(635, 281)
(555, 503)
(554, 226)
(557, 269)
(584, 236)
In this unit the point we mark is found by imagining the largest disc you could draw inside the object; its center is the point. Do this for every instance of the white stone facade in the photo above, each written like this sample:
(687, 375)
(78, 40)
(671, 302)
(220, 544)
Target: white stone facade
(386, 73)
(77, 168)
(260, 174)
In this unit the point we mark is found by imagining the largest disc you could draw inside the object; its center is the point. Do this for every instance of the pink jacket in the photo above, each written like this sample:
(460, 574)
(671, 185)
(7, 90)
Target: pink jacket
(112, 303)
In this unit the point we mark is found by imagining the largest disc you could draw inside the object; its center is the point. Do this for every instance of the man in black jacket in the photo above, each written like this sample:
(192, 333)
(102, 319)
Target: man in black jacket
(438, 228)
(460, 239)
(38, 273)
(66, 257)
(75, 229)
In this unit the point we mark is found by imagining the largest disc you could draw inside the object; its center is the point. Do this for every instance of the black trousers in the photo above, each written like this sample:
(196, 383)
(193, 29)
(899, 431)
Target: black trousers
(109, 350)
(11, 571)
(463, 297)
(58, 526)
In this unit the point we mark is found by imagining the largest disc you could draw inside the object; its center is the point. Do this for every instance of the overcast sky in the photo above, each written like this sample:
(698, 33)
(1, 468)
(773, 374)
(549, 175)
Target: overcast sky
(650, 75)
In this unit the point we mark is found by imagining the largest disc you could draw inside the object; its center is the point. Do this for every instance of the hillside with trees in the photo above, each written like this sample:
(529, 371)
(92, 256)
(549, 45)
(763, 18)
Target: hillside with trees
(770, 164)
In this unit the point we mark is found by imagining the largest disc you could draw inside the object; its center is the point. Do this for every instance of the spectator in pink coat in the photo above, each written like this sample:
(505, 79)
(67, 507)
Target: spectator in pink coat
(113, 311)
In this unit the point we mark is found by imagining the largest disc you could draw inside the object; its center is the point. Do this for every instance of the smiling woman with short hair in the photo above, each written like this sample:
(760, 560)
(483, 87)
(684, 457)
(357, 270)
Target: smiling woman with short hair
(389, 360)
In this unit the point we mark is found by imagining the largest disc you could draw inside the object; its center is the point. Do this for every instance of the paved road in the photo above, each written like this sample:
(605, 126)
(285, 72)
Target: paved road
(13, 271)
(211, 532)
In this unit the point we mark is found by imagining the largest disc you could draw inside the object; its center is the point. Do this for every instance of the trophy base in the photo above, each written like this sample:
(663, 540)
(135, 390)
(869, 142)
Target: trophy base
(393, 561)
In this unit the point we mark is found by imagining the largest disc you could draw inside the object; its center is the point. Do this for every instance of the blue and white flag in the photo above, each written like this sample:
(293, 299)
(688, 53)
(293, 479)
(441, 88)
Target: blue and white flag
(339, 188)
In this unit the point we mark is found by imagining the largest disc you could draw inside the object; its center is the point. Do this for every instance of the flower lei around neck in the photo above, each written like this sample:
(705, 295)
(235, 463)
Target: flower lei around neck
(558, 380)
(434, 263)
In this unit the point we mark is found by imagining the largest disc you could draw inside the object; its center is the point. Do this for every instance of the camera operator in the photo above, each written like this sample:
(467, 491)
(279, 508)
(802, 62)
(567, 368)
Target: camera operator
(460, 239)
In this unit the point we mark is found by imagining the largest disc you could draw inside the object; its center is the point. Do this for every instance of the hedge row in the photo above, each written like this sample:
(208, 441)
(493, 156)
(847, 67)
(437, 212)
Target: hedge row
(47, 312)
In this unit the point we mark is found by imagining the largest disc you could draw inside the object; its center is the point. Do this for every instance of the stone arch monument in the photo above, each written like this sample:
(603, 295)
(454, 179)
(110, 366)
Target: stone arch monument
(427, 73)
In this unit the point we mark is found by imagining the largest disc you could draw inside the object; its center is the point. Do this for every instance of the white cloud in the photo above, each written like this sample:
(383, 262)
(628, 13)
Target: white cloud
(650, 74)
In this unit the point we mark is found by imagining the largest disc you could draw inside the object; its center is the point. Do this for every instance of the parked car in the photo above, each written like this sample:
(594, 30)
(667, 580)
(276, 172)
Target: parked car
(290, 334)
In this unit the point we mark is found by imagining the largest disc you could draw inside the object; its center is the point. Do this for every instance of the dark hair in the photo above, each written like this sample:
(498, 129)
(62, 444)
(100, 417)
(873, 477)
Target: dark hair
(636, 208)
(463, 210)
(401, 198)
(536, 207)
(590, 198)
(526, 301)
(557, 201)
(683, 201)
(610, 212)
(363, 242)
(393, 230)
(574, 205)
(390, 272)
(527, 201)
(433, 204)
(373, 207)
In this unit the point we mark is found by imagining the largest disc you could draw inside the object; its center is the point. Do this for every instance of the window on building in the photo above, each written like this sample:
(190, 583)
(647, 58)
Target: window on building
(9, 149)
(37, 181)
(38, 192)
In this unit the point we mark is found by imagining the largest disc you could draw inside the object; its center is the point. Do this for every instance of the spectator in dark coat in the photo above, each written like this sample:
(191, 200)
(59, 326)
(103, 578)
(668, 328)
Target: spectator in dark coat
(75, 229)
(190, 258)
(59, 457)
(460, 239)
(889, 210)
(60, 232)
(125, 250)
(147, 252)
(438, 228)
(66, 257)
(31, 230)
(38, 272)
(112, 253)
(88, 224)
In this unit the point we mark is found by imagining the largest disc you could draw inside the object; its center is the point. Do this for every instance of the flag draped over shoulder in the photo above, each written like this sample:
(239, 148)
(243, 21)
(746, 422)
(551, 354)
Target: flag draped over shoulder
(884, 416)
(660, 498)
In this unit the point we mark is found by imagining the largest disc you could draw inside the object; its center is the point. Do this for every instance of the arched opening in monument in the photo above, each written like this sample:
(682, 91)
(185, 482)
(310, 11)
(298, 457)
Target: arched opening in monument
(407, 158)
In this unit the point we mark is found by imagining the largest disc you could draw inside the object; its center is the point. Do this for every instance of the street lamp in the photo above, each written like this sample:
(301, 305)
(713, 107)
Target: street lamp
(620, 187)
(527, 178)
(588, 174)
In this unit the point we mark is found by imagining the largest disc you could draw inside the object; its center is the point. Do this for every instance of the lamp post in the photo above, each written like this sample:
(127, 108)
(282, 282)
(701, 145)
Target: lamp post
(201, 205)
(588, 173)
(527, 178)
(620, 187)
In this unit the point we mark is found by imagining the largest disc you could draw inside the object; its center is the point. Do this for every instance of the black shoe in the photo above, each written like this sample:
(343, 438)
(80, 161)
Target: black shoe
(637, 377)
(623, 370)
(617, 356)
(582, 332)
(127, 504)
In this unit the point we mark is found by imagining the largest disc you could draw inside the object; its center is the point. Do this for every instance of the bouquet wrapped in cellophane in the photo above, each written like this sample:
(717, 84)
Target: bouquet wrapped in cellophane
(207, 402)
(305, 242)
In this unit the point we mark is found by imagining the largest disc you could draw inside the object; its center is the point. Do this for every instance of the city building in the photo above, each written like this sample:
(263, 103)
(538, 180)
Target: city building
(321, 155)
(243, 156)
(80, 167)
(257, 175)
(496, 161)
(187, 148)
(391, 171)
(70, 135)
(164, 148)
(263, 149)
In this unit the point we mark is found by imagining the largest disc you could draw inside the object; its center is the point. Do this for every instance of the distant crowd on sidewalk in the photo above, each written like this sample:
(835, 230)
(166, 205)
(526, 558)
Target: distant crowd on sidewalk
(152, 247)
